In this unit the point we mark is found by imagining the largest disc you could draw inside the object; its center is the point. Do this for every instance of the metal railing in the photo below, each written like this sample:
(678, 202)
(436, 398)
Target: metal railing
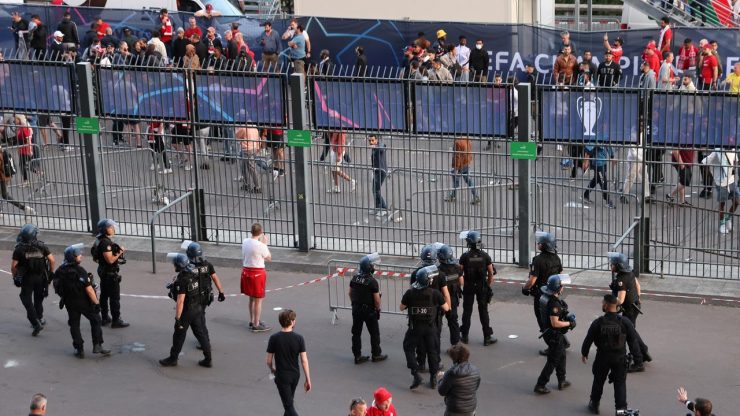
(152, 234)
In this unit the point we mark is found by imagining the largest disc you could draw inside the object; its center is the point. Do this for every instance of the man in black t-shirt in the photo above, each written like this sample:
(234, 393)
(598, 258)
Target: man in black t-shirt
(477, 278)
(108, 256)
(284, 348)
(31, 266)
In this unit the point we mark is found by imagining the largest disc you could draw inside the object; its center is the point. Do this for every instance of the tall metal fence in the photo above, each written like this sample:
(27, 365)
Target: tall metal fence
(395, 162)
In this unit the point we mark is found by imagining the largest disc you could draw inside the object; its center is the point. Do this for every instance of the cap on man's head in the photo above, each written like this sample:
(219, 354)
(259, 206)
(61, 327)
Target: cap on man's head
(608, 52)
(58, 34)
(381, 394)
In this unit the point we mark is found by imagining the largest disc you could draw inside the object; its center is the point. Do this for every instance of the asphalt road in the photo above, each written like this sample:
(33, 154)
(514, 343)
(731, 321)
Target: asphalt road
(692, 345)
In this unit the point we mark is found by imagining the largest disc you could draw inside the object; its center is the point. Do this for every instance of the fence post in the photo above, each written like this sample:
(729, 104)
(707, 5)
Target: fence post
(304, 199)
(525, 166)
(91, 144)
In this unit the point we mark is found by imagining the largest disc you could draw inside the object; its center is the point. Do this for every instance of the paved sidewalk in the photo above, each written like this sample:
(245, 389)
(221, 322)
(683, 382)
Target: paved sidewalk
(695, 290)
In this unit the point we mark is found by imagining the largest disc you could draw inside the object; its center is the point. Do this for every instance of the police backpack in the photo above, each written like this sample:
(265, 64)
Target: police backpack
(613, 335)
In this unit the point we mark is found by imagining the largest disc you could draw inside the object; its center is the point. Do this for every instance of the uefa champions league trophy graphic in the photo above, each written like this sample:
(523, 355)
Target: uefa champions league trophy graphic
(589, 110)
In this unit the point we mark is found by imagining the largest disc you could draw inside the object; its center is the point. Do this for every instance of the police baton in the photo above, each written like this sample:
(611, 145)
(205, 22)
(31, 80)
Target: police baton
(634, 305)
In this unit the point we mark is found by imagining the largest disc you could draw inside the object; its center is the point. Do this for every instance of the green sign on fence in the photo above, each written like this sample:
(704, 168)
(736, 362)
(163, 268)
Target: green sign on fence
(523, 150)
(87, 125)
(299, 138)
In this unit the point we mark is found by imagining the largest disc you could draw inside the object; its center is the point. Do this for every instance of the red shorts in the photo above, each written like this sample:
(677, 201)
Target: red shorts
(253, 282)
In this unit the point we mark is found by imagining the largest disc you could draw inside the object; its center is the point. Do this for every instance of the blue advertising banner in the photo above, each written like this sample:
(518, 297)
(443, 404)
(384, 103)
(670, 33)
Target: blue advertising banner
(35, 87)
(460, 109)
(359, 105)
(588, 115)
(697, 119)
(157, 94)
(239, 99)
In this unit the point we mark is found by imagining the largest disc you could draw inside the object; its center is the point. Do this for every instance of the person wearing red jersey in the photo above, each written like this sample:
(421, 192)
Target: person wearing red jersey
(616, 48)
(688, 56)
(24, 136)
(709, 69)
(193, 28)
(165, 30)
(665, 40)
(651, 57)
(102, 27)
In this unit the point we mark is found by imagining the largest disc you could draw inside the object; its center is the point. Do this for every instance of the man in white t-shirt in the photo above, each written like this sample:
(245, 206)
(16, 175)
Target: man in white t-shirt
(722, 164)
(254, 275)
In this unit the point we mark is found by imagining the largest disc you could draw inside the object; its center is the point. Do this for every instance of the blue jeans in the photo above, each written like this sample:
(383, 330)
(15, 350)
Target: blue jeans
(465, 174)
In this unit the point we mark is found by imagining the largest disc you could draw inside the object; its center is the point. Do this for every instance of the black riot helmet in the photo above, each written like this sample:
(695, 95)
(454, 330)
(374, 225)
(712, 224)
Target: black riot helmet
(473, 239)
(194, 251)
(28, 234)
(367, 263)
(547, 241)
(446, 255)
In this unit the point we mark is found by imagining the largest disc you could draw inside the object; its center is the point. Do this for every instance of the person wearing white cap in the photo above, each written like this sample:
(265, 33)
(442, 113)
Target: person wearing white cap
(57, 48)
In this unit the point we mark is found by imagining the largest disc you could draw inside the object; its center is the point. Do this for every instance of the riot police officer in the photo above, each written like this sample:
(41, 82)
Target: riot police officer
(611, 333)
(188, 294)
(31, 268)
(428, 257)
(364, 293)
(109, 256)
(76, 290)
(626, 288)
(477, 278)
(544, 265)
(556, 320)
(206, 274)
(423, 303)
(451, 273)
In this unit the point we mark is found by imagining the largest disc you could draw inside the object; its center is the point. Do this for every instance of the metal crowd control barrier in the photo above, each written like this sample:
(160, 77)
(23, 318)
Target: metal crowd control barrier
(393, 281)
(188, 195)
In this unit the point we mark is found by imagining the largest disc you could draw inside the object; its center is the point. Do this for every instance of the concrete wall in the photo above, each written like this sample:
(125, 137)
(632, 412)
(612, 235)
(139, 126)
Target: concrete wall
(473, 11)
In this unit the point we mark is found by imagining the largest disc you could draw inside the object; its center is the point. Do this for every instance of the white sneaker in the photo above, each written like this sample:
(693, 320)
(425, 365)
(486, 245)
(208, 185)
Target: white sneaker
(151, 167)
(354, 185)
(188, 167)
(723, 229)
(275, 174)
(239, 178)
(30, 211)
(728, 225)
(165, 171)
(382, 213)
(336, 190)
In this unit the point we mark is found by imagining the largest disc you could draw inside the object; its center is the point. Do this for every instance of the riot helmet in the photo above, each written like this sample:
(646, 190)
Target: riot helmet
(473, 239)
(179, 260)
(425, 276)
(555, 283)
(619, 261)
(104, 224)
(71, 253)
(547, 241)
(194, 251)
(446, 255)
(428, 254)
(367, 263)
(28, 234)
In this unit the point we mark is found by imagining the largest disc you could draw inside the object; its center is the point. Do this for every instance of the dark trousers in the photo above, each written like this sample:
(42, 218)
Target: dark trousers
(425, 335)
(160, 150)
(192, 317)
(74, 315)
(576, 152)
(555, 358)
(471, 293)
(33, 292)
(421, 351)
(25, 165)
(654, 158)
(6, 196)
(614, 363)
(110, 293)
(632, 314)
(66, 127)
(599, 178)
(286, 389)
(378, 179)
(452, 321)
(369, 317)
(707, 179)
(537, 312)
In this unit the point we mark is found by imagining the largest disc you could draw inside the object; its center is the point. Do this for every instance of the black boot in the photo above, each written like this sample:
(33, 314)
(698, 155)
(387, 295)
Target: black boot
(562, 385)
(433, 382)
(37, 328)
(168, 362)
(541, 389)
(361, 359)
(99, 349)
(105, 320)
(417, 381)
(119, 323)
(378, 358)
(79, 353)
(206, 362)
(593, 407)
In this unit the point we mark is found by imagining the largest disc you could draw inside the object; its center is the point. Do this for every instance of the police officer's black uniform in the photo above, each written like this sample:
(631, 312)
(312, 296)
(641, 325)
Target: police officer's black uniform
(437, 283)
(544, 265)
(551, 305)
(423, 306)
(450, 274)
(363, 286)
(611, 333)
(110, 282)
(475, 272)
(205, 270)
(625, 281)
(32, 272)
(187, 283)
(71, 283)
